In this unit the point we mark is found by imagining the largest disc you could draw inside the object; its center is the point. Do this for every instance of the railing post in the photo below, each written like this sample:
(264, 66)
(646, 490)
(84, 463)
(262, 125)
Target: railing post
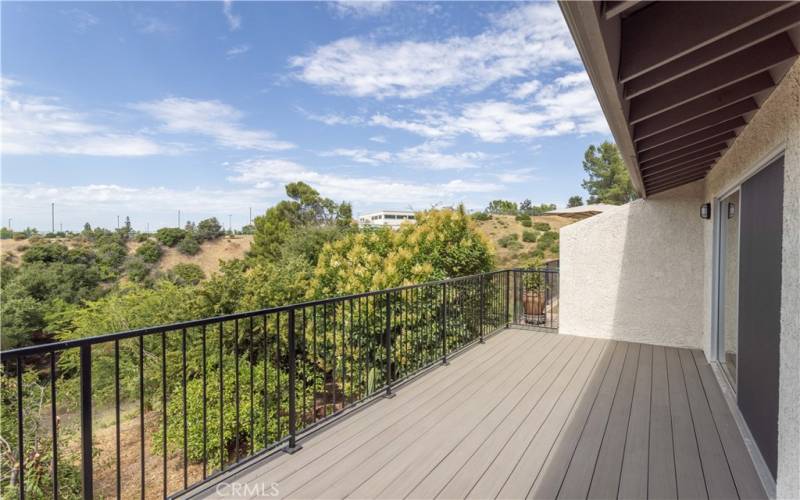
(388, 345)
(514, 297)
(292, 447)
(482, 308)
(87, 478)
(444, 323)
(508, 303)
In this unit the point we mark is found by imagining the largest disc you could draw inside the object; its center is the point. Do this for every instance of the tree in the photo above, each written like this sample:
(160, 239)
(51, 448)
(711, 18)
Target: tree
(574, 201)
(608, 180)
(502, 207)
(150, 252)
(209, 229)
(170, 236)
(306, 208)
(188, 246)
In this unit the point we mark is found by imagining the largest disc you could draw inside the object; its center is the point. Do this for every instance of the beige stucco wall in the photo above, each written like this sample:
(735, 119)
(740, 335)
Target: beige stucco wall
(775, 128)
(624, 277)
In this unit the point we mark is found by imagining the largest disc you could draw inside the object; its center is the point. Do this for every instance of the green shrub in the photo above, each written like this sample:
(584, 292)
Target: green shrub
(529, 236)
(523, 217)
(138, 270)
(142, 237)
(170, 236)
(541, 226)
(150, 252)
(526, 223)
(19, 236)
(547, 240)
(507, 240)
(209, 229)
(481, 216)
(189, 246)
(186, 274)
(46, 252)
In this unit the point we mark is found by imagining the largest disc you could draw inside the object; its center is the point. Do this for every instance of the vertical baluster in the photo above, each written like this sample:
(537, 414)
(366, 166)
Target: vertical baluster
(388, 346)
(303, 420)
(21, 425)
(344, 358)
(205, 404)
(252, 392)
(54, 421)
(222, 447)
(141, 417)
(266, 384)
(116, 418)
(444, 323)
(86, 421)
(278, 374)
(164, 410)
(316, 359)
(293, 447)
(236, 386)
(185, 414)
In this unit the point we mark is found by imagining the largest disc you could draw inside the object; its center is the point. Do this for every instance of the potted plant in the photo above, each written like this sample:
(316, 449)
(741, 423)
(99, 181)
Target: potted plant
(534, 294)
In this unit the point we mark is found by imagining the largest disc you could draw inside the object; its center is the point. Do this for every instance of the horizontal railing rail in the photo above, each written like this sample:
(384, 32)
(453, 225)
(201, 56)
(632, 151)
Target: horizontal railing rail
(190, 400)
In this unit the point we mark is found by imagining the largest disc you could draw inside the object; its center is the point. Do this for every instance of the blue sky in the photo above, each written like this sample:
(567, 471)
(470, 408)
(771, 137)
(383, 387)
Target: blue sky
(141, 109)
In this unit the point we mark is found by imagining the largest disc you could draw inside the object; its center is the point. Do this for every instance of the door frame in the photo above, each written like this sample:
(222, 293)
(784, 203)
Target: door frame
(716, 245)
(719, 337)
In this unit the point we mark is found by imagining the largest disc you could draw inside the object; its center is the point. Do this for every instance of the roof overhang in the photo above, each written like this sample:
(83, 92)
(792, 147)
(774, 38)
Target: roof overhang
(678, 81)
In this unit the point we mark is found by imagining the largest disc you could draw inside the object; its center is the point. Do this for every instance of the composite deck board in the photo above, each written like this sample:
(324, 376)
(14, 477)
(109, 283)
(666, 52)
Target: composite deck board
(605, 479)
(633, 477)
(688, 468)
(535, 415)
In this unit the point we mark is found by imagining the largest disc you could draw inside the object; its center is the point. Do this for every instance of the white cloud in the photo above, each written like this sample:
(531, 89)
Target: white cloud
(566, 106)
(378, 138)
(81, 19)
(152, 25)
(426, 156)
(213, 119)
(34, 125)
(523, 42)
(331, 118)
(524, 90)
(360, 8)
(272, 174)
(237, 50)
(234, 20)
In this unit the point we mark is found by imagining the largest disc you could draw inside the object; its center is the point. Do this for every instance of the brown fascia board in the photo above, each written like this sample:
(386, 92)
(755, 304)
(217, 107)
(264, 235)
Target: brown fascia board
(733, 112)
(719, 75)
(703, 105)
(740, 40)
(648, 157)
(665, 31)
(694, 152)
(593, 40)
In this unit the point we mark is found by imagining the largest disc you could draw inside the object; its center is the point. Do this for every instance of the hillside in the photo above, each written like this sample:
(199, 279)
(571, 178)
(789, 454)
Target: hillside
(518, 253)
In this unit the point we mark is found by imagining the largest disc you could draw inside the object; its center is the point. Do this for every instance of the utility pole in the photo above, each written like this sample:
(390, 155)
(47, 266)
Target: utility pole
(9, 223)
(52, 217)
(60, 227)
(148, 228)
(230, 230)
(179, 218)
(117, 221)
(251, 216)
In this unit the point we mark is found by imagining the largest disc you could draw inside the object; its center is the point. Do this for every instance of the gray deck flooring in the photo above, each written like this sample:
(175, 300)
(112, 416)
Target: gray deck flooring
(531, 414)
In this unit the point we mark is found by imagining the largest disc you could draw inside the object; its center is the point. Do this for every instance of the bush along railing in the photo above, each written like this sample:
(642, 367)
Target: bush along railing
(186, 402)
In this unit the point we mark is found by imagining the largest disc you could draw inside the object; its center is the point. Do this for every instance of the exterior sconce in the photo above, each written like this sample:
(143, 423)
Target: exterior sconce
(705, 211)
(731, 210)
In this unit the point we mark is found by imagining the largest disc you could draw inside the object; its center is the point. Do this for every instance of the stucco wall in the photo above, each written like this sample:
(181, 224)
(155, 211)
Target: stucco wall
(636, 272)
(775, 127)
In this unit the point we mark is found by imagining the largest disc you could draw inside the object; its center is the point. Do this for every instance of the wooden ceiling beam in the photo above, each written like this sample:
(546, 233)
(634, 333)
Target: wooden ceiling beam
(721, 74)
(674, 174)
(699, 150)
(693, 163)
(665, 31)
(711, 153)
(714, 52)
(680, 179)
(735, 110)
(617, 8)
(703, 105)
(654, 155)
(666, 187)
(697, 137)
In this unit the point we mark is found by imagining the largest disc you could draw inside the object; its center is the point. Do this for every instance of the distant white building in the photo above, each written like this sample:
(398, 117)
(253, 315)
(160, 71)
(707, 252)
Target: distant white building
(391, 218)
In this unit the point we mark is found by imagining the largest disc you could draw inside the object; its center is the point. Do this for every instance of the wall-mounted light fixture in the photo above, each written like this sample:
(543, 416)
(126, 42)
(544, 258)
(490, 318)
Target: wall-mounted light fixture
(731, 210)
(705, 211)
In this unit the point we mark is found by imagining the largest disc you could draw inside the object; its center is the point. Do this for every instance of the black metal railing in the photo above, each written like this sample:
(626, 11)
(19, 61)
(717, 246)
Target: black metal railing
(190, 400)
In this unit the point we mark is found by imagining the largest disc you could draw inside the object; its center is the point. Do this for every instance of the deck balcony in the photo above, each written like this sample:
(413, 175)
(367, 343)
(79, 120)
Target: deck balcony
(453, 389)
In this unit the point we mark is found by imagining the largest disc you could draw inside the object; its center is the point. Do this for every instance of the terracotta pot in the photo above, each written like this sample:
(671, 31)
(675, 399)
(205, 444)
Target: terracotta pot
(533, 302)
